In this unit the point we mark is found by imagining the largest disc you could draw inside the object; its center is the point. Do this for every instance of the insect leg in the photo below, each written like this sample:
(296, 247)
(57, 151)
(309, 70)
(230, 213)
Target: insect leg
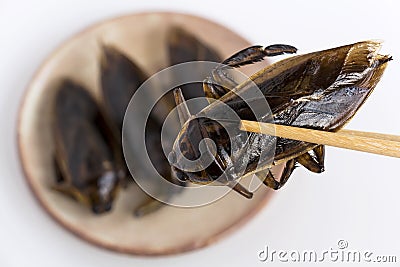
(256, 53)
(64, 188)
(270, 180)
(313, 160)
(71, 192)
(319, 152)
(148, 206)
(213, 90)
(58, 174)
(222, 82)
(240, 189)
(183, 110)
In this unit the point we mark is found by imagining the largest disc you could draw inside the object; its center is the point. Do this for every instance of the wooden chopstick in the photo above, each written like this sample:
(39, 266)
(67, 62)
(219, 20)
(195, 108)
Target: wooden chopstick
(377, 143)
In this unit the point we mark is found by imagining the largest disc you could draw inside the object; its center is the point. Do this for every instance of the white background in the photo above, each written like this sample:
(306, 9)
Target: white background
(356, 199)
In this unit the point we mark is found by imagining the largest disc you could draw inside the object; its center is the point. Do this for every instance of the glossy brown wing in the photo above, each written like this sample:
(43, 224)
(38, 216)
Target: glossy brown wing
(303, 75)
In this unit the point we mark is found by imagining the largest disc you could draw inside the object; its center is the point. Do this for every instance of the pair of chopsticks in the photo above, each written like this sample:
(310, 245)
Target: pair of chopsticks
(376, 143)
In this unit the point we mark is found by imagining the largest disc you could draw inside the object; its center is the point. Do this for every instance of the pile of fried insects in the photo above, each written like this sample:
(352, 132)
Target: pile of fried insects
(320, 90)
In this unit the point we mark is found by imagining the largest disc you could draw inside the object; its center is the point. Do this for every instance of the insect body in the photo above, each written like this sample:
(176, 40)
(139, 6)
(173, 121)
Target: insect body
(84, 156)
(321, 90)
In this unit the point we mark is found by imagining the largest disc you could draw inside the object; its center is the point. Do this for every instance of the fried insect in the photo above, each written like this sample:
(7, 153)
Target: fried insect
(84, 157)
(120, 77)
(321, 90)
